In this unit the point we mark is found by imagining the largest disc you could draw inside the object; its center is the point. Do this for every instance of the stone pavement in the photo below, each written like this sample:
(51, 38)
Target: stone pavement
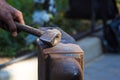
(23, 70)
(106, 67)
(91, 46)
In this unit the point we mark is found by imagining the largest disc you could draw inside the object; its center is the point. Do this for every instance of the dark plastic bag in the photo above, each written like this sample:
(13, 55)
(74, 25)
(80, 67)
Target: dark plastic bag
(112, 34)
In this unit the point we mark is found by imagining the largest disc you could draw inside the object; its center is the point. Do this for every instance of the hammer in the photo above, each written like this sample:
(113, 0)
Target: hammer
(50, 37)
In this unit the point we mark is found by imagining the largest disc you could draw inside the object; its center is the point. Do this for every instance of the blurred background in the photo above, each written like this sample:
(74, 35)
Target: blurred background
(33, 9)
(9, 45)
(98, 20)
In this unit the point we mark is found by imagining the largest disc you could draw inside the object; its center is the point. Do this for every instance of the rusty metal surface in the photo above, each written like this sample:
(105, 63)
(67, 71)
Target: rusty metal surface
(78, 57)
(64, 49)
(64, 68)
(64, 61)
(41, 65)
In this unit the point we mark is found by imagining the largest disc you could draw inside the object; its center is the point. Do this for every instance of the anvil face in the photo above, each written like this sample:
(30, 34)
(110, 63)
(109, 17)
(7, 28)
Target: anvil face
(65, 38)
(51, 36)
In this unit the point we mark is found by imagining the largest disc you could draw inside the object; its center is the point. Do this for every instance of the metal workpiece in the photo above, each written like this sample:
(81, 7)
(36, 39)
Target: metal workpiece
(65, 38)
(50, 37)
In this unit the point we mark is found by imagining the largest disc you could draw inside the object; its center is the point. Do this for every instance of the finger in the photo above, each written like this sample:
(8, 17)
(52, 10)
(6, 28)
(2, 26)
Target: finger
(11, 25)
(14, 34)
(19, 17)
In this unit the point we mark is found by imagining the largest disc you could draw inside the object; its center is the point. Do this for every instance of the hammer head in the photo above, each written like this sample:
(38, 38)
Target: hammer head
(51, 37)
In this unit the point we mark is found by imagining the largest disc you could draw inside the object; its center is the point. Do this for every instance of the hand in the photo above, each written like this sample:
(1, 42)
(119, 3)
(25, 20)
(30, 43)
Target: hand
(8, 15)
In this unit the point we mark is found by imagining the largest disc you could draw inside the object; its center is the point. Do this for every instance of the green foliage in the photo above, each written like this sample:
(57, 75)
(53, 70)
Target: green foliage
(9, 45)
(25, 6)
(69, 25)
(62, 5)
(118, 1)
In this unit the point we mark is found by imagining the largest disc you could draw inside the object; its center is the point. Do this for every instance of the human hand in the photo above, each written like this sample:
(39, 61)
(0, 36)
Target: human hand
(8, 15)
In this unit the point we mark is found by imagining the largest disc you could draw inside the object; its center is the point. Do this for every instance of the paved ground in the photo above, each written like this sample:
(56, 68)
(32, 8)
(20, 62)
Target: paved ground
(106, 67)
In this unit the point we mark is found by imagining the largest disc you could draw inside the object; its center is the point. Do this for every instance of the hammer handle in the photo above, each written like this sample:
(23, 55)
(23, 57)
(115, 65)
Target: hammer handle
(29, 29)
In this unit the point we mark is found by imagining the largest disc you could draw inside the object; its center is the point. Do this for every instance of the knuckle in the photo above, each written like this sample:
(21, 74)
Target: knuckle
(19, 13)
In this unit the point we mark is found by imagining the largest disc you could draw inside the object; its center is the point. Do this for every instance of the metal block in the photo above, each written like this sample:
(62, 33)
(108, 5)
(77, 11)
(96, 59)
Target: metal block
(65, 61)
